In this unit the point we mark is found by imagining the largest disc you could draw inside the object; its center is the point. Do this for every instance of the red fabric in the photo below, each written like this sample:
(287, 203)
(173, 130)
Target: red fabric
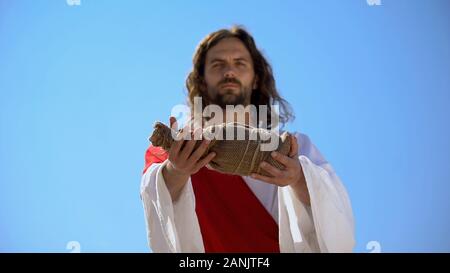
(154, 155)
(231, 217)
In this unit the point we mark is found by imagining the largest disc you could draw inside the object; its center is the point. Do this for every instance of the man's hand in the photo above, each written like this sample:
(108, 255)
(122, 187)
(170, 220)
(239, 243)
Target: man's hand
(292, 175)
(184, 161)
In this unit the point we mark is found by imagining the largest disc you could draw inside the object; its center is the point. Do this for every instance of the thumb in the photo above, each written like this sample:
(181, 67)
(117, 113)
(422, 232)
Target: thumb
(173, 123)
(293, 153)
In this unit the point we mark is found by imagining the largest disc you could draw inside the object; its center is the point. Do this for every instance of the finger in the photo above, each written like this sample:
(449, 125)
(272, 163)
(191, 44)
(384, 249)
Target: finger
(272, 170)
(178, 142)
(200, 150)
(285, 160)
(180, 134)
(267, 179)
(204, 161)
(294, 147)
(176, 146)
(173, 123)
(188, 148)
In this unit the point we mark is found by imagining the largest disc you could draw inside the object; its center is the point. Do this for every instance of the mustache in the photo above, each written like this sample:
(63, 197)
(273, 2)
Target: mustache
(230, 80)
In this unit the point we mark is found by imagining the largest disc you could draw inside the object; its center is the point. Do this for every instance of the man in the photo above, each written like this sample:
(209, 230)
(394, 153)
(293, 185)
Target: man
(190, 208)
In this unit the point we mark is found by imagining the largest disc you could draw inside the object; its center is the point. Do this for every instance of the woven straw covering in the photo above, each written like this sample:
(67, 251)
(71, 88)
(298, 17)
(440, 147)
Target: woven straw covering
(237, 146)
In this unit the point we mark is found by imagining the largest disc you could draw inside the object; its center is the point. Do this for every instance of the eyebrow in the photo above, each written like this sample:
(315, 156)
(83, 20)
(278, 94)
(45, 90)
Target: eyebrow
(222, 60)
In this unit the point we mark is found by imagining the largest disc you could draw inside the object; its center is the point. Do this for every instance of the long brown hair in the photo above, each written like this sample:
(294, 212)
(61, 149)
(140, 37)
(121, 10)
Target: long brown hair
(265, 94)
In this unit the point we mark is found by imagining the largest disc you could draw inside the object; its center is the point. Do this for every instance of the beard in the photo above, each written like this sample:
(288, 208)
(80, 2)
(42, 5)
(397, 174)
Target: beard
(229, 96)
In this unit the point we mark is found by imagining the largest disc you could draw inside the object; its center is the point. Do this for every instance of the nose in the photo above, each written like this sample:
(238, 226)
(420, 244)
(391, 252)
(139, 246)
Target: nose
(229, 73)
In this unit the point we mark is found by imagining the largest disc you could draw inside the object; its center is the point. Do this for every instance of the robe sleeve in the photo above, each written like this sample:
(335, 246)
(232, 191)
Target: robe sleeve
(325, 226)
(171, 226)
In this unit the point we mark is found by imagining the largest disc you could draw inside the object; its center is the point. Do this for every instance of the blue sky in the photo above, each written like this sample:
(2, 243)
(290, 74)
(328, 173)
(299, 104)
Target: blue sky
(80, 87)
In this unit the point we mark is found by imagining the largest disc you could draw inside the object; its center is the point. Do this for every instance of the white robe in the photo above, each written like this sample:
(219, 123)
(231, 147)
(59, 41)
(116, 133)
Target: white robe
(325, 226)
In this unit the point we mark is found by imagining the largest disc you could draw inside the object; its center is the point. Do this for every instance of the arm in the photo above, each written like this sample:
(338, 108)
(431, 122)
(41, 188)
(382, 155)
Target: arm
(314, 209)
(168, 198)
(171, 226)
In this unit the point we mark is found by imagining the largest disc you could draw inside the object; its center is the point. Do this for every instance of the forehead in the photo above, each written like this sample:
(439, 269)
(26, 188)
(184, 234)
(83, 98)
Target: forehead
(228, 47)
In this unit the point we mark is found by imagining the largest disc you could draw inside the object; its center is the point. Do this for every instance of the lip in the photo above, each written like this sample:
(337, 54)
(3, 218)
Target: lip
(228, 85)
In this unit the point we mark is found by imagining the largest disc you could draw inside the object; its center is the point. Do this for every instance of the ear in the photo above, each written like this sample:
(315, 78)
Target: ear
(255, 83)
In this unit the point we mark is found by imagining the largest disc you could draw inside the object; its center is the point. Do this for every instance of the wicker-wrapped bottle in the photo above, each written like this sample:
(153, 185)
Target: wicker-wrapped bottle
(237, 146)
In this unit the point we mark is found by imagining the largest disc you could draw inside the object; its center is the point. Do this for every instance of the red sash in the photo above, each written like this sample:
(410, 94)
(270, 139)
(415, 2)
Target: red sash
(231, 217)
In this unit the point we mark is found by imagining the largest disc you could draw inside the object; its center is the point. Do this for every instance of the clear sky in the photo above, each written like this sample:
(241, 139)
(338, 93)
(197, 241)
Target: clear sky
(81, 86)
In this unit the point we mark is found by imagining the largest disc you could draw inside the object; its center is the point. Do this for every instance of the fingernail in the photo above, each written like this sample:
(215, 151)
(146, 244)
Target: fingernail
(274, 154)
(263, 164)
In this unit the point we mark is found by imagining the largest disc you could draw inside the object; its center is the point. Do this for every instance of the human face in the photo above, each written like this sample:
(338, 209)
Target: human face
(229, 73)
